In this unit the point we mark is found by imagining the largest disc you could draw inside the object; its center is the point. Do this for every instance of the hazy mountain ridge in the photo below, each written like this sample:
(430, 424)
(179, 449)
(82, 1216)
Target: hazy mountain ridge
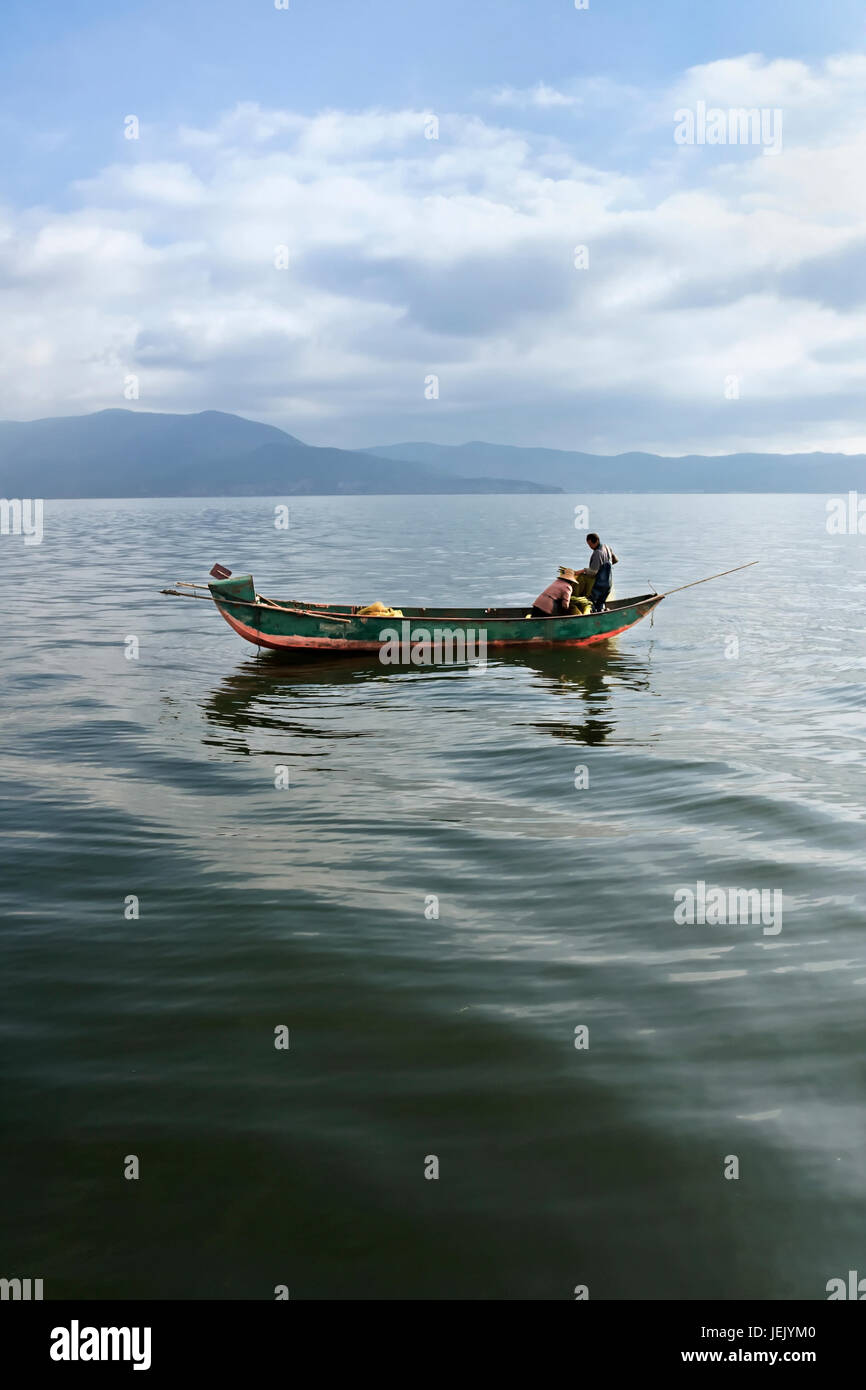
(572, 471)
(129, 453)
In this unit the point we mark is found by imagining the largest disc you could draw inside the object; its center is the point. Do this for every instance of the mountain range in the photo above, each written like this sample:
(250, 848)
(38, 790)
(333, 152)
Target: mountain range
(570, 471)
(131, 453)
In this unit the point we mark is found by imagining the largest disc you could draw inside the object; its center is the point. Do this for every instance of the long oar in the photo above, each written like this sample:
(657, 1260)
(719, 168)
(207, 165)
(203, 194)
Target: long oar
(695, 582)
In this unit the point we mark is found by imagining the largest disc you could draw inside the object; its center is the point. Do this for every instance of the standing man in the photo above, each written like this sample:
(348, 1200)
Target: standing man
(599, 572)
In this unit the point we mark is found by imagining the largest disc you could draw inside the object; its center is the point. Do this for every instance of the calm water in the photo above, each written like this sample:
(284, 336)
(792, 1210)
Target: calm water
(412, 1036)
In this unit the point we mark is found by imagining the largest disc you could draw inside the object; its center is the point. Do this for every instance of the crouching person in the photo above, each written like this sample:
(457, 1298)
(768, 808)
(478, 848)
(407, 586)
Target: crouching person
(554, 601)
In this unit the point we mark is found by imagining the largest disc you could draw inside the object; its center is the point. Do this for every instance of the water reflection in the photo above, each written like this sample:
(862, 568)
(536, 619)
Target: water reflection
(267, 692)
(593, 674)
(257, 693)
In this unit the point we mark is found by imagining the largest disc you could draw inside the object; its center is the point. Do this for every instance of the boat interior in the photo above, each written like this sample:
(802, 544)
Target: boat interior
(473, 614)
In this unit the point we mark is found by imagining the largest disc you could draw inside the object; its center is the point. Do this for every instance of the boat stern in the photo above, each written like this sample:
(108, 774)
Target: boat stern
(235, 599)
(239, 587)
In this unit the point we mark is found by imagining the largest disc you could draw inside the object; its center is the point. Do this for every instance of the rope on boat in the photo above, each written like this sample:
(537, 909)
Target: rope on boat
(695, 582)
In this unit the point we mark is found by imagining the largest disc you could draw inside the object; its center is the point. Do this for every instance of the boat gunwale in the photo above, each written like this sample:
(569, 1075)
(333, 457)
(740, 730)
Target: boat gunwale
(344, 611)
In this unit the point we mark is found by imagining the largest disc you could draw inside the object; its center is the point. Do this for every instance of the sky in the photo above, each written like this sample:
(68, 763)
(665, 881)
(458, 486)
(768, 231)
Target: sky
(441, 220)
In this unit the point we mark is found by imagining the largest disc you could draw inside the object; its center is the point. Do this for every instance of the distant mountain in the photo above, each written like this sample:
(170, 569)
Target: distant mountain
(131, 453)
(137, 453)
(304, 469)
(638, 472)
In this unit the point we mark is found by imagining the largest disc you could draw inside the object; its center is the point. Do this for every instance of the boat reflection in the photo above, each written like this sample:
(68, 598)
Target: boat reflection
(593, 674)
(267, 692)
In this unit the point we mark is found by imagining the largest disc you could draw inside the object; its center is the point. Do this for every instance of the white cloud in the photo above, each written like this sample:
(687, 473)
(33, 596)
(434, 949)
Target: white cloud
(150, 183)
(454, 255)
(593, 94)
(752, 80)
(540, 95)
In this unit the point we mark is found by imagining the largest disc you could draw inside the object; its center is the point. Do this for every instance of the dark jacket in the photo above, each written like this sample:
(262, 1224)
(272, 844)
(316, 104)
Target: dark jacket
(601, 564)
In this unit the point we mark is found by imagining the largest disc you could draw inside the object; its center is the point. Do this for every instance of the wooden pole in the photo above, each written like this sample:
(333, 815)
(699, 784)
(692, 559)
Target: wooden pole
(695, 582)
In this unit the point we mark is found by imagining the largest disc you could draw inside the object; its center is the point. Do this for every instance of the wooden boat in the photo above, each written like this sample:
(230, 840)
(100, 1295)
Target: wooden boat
(297, 625)
(302, 627)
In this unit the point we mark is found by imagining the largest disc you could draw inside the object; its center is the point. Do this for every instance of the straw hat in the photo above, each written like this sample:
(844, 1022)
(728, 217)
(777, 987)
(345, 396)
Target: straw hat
(566, 573)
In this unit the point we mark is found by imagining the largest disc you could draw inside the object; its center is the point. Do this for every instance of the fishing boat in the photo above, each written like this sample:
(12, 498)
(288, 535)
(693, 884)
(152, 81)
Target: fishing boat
(302, 627)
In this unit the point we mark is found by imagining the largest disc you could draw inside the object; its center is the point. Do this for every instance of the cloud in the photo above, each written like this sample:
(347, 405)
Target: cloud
(409, 255)
(152, 183)
(540, 95)
(589, 94)
(752, 80)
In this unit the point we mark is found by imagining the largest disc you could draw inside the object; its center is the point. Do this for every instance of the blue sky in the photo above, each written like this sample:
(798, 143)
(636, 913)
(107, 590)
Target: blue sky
(73, 67)
(153, 259)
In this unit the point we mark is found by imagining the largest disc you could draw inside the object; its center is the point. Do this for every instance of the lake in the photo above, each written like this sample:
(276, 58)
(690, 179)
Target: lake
(462, 908)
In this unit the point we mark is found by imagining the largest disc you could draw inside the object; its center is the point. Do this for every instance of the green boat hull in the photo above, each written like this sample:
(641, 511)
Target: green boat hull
(296, 626)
